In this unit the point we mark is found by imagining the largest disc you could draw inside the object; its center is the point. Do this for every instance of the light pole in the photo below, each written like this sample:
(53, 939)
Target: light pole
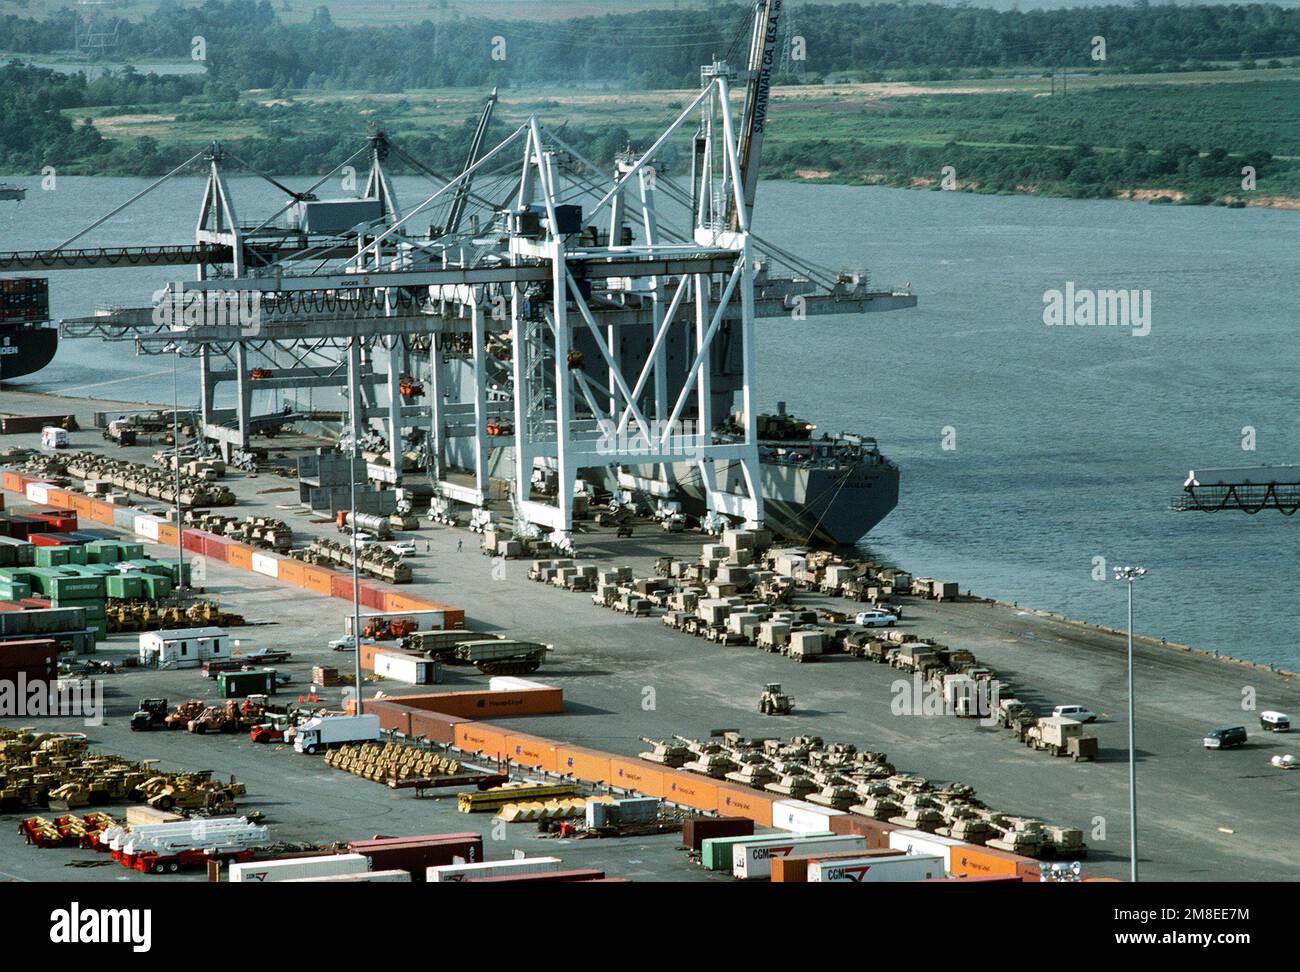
(176, 482)
(352, 481)
(1129, 575)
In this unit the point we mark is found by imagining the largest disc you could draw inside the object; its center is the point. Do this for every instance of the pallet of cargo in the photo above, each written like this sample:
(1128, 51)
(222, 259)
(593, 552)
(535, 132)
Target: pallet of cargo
(488, 800)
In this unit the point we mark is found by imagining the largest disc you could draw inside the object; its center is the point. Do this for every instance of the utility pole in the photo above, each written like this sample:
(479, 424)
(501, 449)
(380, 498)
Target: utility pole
(352, 483)
(1130, 574)
(176, 460)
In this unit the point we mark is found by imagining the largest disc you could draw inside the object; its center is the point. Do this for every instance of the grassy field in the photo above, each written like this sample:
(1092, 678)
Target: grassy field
(1007, 135)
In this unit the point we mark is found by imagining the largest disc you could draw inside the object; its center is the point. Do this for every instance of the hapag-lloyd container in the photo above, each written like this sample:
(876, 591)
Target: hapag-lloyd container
(753, 859)
(801, 817)
(919, 842)
(871, 870)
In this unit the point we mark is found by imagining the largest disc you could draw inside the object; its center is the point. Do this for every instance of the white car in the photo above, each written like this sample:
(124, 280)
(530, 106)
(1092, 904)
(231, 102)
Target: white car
(875, 619)
(348, 643)
(1078, 713)
(404, 548)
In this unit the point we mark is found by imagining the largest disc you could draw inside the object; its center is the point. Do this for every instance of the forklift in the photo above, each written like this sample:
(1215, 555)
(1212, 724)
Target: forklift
(149, 715)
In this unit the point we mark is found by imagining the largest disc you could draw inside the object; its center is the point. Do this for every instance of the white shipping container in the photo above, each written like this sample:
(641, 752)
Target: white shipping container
(424, 620)
(801, 817)
(405, 668)
(752, 860)
(919, 842)
(293, 868)
(377, 876)
(513, 683)
(147, 526)
(868, 870)
(38, 493)
(467, 872)
(266, 564)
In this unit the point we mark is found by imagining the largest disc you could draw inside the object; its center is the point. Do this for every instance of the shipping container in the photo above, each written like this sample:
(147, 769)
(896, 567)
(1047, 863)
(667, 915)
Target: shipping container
(695, 830)
(547, 877)
(240, 555)
(752, 860)
(457, 873)
(876, 831)
(919, 842)
(238, 685)
(636, 776)
(533, 752)
(317, 579)
(801, 817)
(972, 861)
(793, 869)
(391, 717)
(483, 705)
(385, 877)
(869, 870)
(690, 790)
(266, 564)
(717, 853)
(417, 854)
(479, 737)
(584, 764)
(401, 667)
(437, 727)
(288, 869)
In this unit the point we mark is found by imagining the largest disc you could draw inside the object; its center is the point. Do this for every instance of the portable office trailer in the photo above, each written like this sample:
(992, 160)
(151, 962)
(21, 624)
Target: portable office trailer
(183, 647)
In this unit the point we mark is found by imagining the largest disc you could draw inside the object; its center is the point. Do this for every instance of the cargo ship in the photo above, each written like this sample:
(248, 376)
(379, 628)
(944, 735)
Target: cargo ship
(830, 489)
(28, 340)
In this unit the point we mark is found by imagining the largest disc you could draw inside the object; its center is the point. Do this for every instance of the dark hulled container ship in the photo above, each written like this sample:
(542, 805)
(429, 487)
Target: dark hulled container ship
(28, 340)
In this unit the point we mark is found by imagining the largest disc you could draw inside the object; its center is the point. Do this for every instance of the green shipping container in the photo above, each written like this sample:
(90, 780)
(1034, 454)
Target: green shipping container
(95, 609)
(237, 685)
(73, 588)
(124, 586)
(103, 552)
(52, 556)
(15, 591)
(155, 586)
(717, 853)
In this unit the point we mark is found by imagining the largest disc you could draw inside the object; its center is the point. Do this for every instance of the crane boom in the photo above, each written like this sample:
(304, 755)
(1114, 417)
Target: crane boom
(458, 203)
(762, 62)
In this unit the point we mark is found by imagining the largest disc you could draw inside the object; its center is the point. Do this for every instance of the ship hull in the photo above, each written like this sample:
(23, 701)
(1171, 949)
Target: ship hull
(807, 505)
(26, 350)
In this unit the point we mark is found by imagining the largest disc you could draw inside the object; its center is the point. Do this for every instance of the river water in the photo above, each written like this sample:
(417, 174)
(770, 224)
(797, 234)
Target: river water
(1027, 451)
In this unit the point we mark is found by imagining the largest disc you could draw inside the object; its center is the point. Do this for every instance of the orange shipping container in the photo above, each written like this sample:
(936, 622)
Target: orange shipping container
(586, 764)
(434, 726)
(391, 716)
(12, 482)
(739, 801)
(482, 705)
(316, 579)
(876, 831)
(290, 572)
(532, 752)
(59, 499)
(103, 513)
(690, 790)
(794, 868)
(635, 774)
(973, 861)
(239, 555)
(395, 603)
(167, 534)
(480, 737)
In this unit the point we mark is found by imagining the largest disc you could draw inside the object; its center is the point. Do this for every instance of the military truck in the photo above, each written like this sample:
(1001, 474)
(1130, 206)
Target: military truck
(1062, 737)
(500, 656)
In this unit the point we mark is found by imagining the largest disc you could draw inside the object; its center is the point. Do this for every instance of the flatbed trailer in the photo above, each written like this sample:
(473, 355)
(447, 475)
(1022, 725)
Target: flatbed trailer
(422, 784)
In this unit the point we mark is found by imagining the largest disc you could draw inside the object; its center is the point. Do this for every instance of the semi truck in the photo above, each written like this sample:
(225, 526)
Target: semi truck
(320, 733)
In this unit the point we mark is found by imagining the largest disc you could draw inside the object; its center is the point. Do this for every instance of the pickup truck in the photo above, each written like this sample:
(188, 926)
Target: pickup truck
(266, 656)
(213, 666)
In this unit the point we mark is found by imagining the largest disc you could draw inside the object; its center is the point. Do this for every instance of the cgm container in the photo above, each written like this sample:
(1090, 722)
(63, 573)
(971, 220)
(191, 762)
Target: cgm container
(293, 868)
(417, 854)
(794, 869)
(919, 842)
(753, 859)
(370, 876)
(449, 873)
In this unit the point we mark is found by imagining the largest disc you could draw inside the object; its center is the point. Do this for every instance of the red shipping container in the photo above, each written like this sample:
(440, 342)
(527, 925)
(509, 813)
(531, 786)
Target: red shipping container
(341, 586)
(543, 877)
(215, 546)
(192, 540)
(373, 597)
(414, 854)
(696, 830)
(48, 540)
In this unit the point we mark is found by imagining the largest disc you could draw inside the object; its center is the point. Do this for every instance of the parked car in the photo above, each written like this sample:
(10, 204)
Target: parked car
(403, 548)
(1274, 721)
(349, 643)
(875, 619)
(1225, 738)
(1078, 713)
